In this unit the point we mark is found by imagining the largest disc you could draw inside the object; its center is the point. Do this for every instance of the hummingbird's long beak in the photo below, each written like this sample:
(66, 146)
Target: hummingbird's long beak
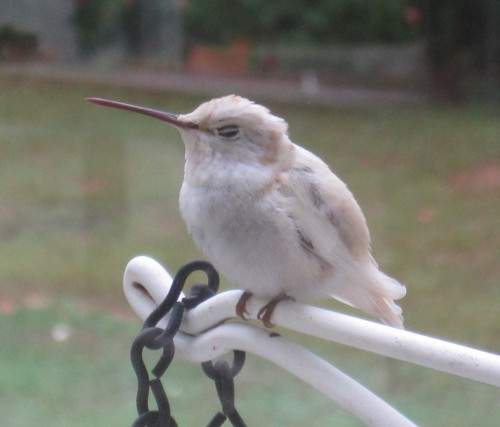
(166, 117)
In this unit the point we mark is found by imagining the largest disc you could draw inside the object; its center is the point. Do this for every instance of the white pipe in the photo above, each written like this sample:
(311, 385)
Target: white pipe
(305, 365)
(398, 344)
(366, 335)
(146, 284)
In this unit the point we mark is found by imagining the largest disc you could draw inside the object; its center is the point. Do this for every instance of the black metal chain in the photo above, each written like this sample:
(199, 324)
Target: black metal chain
(223, 373)
(155, 338)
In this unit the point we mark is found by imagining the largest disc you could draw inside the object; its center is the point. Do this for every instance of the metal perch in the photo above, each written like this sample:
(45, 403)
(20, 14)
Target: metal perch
(203, 337)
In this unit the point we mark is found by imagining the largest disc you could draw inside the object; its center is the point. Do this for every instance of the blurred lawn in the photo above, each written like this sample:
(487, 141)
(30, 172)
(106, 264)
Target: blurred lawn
(84, 189)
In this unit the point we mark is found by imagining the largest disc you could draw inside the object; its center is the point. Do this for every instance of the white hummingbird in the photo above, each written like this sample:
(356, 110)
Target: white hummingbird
(270, 215)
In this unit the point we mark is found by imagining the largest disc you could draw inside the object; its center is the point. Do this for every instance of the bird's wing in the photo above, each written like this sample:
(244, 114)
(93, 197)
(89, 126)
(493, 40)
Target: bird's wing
(327, 216)
(332, 228)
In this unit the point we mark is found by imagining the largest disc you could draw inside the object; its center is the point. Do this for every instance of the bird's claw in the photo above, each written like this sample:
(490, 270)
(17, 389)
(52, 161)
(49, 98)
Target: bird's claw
(265, 313)
(241, 305)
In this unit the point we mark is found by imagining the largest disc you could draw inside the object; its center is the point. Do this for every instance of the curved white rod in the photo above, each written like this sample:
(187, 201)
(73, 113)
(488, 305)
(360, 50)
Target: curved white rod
(411, 347)
(399, 344)
(146, 284)
(144, 274)
(302, 363)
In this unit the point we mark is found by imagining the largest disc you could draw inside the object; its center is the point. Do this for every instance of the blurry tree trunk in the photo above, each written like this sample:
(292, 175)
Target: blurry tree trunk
(162, 32)
(462, 46)
(132, 27)
(445, 28)
(492, 51)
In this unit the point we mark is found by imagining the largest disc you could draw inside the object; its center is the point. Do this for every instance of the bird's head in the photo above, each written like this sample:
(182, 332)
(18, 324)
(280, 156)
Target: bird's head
(231, 130)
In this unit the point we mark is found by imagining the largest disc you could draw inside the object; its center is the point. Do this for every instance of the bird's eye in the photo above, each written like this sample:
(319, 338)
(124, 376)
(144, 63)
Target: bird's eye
(229, 131)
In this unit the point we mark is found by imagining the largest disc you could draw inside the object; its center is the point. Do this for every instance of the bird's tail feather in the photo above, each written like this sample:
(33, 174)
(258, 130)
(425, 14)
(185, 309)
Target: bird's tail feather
(389, 312)
(376, 297)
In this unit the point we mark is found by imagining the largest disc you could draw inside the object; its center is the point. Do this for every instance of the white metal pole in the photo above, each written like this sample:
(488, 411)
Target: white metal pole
(302, 363)
(366, 335)
(146, 284)
(399, 344)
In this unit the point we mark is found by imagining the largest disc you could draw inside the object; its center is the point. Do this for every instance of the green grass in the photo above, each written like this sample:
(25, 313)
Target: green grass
(84, 189)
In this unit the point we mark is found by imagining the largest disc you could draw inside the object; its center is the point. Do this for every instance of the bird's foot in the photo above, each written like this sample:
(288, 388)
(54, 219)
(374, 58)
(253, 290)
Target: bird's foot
(241, 305)
(266, 312)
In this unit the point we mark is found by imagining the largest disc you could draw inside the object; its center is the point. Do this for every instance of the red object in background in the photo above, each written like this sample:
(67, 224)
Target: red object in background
(233, 59)
(412, 16)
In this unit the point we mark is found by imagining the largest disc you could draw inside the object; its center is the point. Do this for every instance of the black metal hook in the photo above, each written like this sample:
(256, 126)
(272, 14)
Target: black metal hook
(154, 338)
(238, 361)
(223, 375)
(177, 285)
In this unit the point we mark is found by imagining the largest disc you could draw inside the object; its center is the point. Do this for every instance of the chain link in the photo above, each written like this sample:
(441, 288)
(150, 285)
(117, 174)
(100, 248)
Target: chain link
(223, 374)
(152, 337)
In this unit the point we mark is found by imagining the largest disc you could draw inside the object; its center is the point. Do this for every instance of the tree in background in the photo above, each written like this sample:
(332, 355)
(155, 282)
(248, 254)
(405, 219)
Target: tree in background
(462, 36)
(463, 47)
(318, 22)
(131, 19)
(96, 24)
(87, 20)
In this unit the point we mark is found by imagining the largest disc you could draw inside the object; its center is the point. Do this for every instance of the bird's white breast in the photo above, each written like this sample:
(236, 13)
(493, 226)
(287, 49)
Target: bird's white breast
(251, 240)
